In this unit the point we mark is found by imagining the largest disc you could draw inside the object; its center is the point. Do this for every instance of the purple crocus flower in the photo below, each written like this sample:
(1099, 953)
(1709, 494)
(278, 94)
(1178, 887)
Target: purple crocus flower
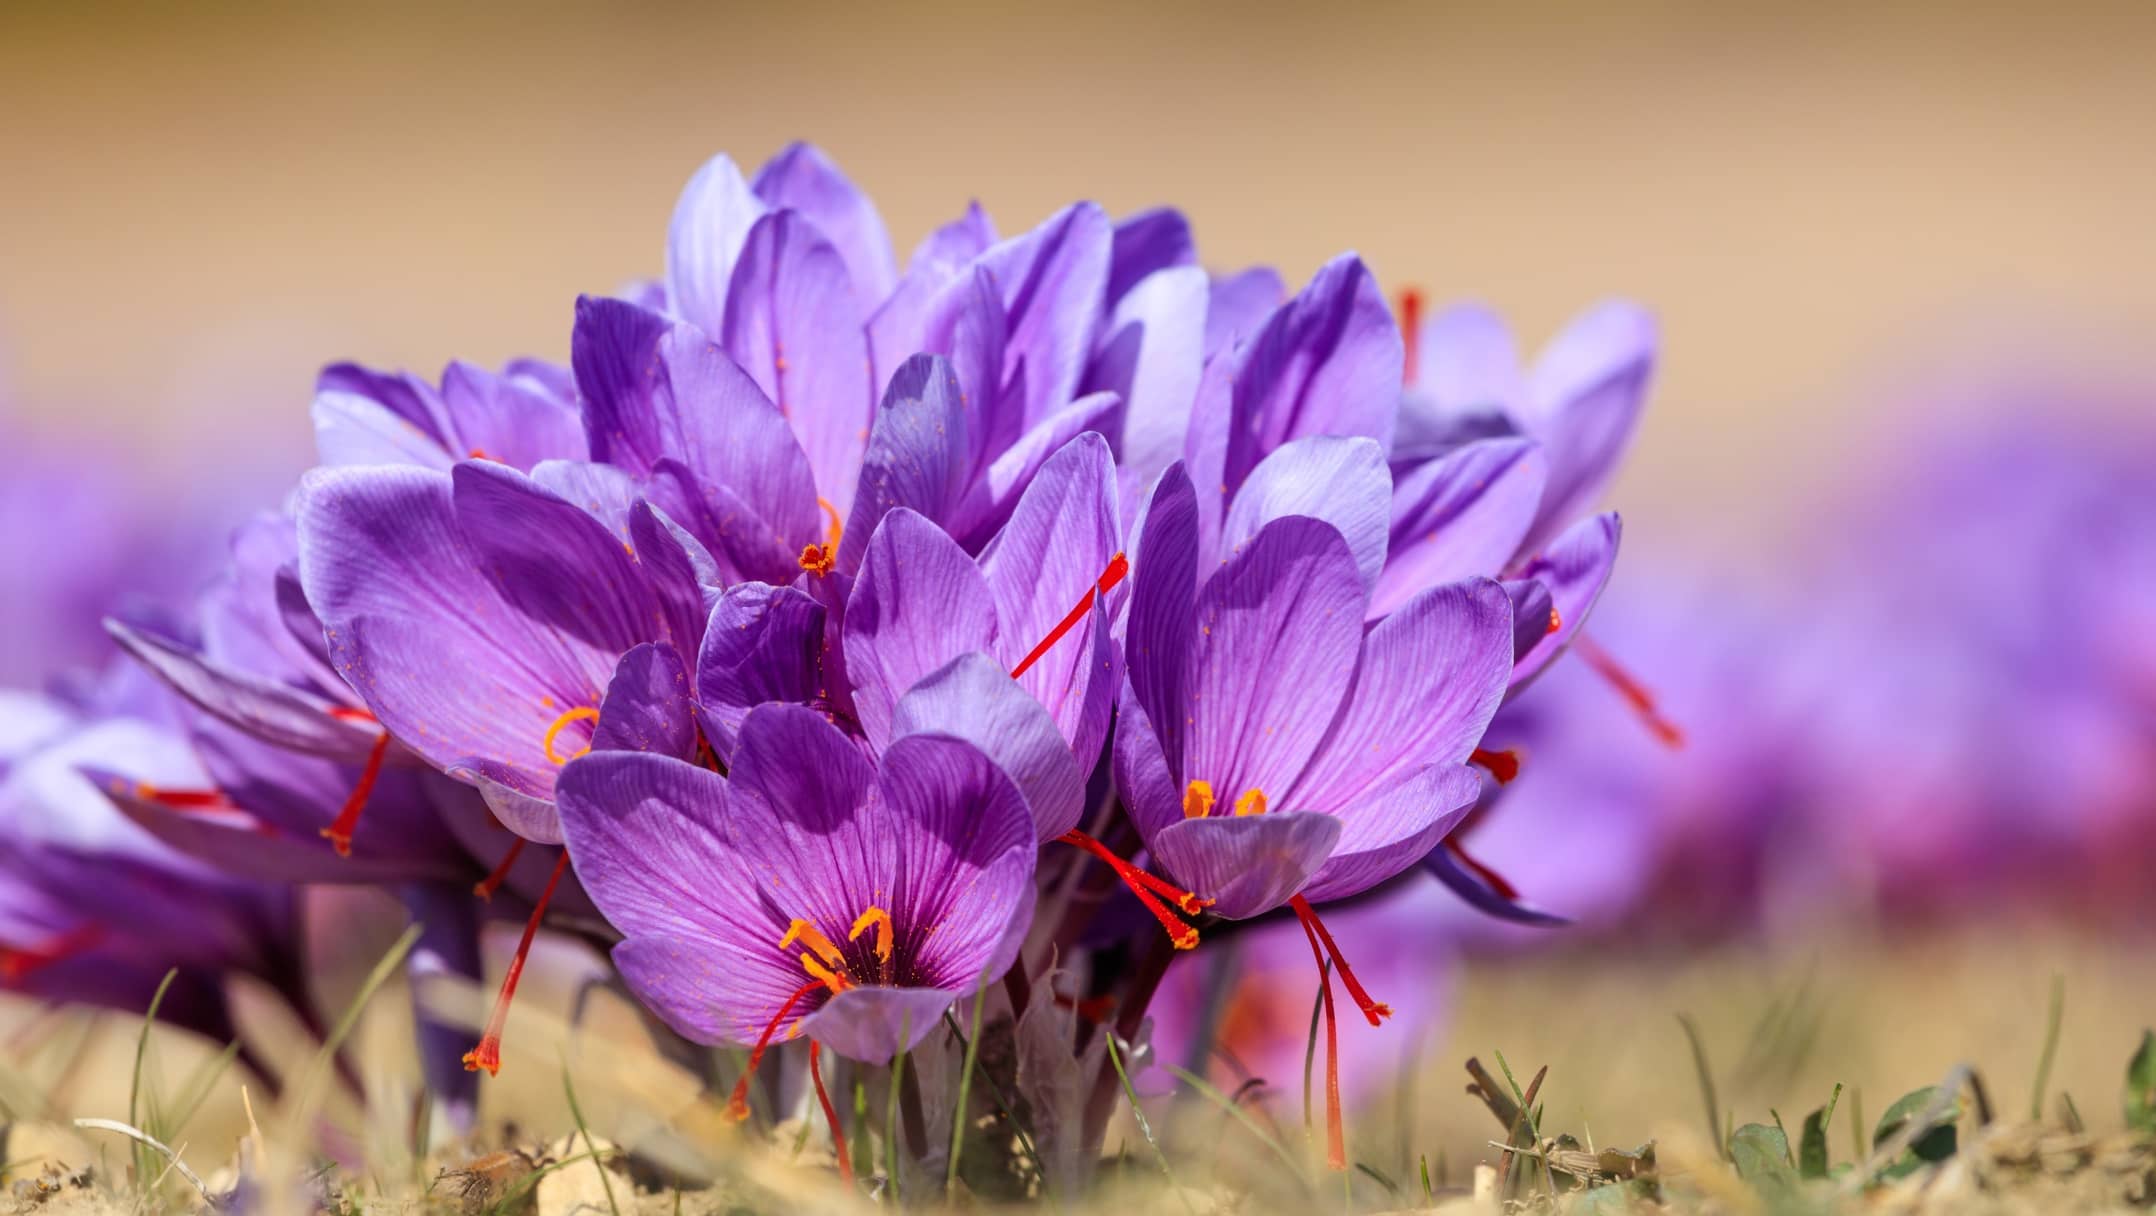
(1270, 749)
(810, 890)
(520, 416)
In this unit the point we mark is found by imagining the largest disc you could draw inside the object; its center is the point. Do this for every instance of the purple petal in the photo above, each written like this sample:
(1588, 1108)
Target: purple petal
(874, 1024)
(680, 571)
(502, 419)
(899, 328)
(279, 713)
(1341, 481)
(1238, 304)
(1151, 356)
(1279, 627)
(917, 453)
(603, 491)
(966, 845)
(1467, 377)
(1531, 607)
(650, 839)
(1583, 401)
(241, 844)
(764, 644)
(1147, 242)
(1140, 766)
(647, 707)
(709, 989)
(1248, 864)
(989, 501)
(1162, 613)
(711, 223)
(1462, 514)
(401, 393)
(1393, 830)
(1574, 569)
(974, 699)
(794, 323)
(1429, 680)
(803, 179)
(1057, 545)
(918, 603)
(353, 430)
(1480, 895)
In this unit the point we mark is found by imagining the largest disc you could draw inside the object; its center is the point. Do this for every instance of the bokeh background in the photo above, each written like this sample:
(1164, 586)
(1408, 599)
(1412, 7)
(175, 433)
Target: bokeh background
(1841, 213)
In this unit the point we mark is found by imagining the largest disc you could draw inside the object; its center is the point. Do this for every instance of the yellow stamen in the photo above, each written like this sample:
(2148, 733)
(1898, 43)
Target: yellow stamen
(582, 713)
(818, 559)
(1197, 800)
(1251, 803)
(812, 937)
(832, 980)
(882, 921)
(837, 526)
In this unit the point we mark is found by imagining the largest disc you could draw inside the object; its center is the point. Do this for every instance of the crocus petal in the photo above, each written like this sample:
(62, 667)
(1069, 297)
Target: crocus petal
(989, 501)
(683, 578)
(874, 1024)
(1247, 864)
(794, 323)
(651, 843)
(1150, 793)
(1151, 355)
(974, 699)
(802, 178)
(1531, 607)
(353, 430)
(1341, 481)
(1575, 569)
(1429, 680)
(647, 707)
(1145, 243)
(237, 843)
(1279, 627)
(764, 644)
(1394, 829)
(1163, 595)
(279, 713)
(603, 491)
(1238, 304)
(711, 223)
(966, 845)
(797, 790)
(1059, 541)
(401, 393)
(1583, 401)
(709, 989)
(1483, 897)
(1467, 383)
(499, 418)
(918, 603)
(1464, 513)
(899, 328)
(1054, 281)
(1325, 363)
(917, 452)
(560, 567)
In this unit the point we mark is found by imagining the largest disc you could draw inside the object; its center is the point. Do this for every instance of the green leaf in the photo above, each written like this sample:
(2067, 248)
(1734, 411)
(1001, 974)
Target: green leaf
(1936, 1141)
(2141, 1086)
(1813, 1160)
(1761, 1154)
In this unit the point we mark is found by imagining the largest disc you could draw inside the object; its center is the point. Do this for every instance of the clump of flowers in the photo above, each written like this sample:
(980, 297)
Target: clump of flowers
(841, 642)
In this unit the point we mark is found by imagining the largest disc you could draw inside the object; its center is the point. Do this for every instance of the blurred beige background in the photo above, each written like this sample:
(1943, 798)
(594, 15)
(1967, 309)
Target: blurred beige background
(202, 204)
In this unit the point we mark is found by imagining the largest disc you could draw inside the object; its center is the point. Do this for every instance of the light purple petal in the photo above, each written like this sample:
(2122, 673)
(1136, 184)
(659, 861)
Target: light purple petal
(1152, 355)
(802, 178)
(1151, 795)
(793, 323)
(966, 846)
(1279, 627)
(711, 223)
(917, 453)
(1394, 829)
(764, 644)
(240, 844)
(1429, 680)
(710, 989)
(650, 840)
(872, 1024)
(1055, 549)
(647, 707)
(1575, 569)
(501, 418)
(401, 393)
(1467, 365)
(1531, 608)
(353, 430)
(899, 328)
(1145, 243)
(1163, 606)
(1239, 304)
(989, 501)
(974, 699)
(1054, 281)
(918, 603)
(1464, 513)
(1583, 401)
(1247, 864)
(1341, 481)
(279, 713)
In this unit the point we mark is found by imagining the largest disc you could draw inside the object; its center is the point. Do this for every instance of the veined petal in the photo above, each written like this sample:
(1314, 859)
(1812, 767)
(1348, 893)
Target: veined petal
(1462, 514)
(1574, 568)
(1583, 401)
(1393, 828)
(1341, 481)
(1152, 355)
(918, 603)
(917, 453)
(966, 845)
(1145, 243)
(648, 708)
(711, 223)
(764, 644)
(1248, 864)
(974, 699)
(802, 178)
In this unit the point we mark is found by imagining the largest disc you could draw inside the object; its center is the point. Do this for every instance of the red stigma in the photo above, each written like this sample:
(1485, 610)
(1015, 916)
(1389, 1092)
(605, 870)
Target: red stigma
(1148, 889)
(1494, 880)
(1629, 687)
(19, 963)
(1335, 1134)
(1118, 566)
(1557, 622)
(1376, 1011)
(737, 1106)
(1504, 765)
(339, 832)
(488, 1054)
(183, 800)
(1411, 334)
(830, 1114)
(486, 887)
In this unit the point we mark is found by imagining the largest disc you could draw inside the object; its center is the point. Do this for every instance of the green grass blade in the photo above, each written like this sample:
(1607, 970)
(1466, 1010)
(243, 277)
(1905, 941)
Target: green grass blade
(890, 1114)
(965, 1091)
(1715, 1131)
(1235, 1111)
(1145, 1128)
(307, 1096)
(576, 1112)
(143, 1160)
(2051, 1047)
